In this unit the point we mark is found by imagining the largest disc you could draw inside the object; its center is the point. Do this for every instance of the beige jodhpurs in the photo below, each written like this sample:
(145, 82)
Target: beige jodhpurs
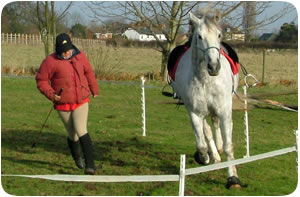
(75, 121)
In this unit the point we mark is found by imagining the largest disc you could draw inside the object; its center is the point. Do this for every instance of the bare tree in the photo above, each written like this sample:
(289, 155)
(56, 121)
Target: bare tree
(47, 20)
(251, 16)
(169, 16)
(256, 16)
(249, 19)
(44, 24)
(53, 23)
(152, 14)
(76, 18)
(19, 17)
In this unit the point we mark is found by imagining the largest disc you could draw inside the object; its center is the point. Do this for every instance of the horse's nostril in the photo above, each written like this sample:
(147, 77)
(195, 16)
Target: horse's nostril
(219, 66)
(213, 69)
(209, 66)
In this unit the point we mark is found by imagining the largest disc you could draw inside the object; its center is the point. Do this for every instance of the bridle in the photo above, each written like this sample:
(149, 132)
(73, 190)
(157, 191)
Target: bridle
(208, 48)
(204, 51)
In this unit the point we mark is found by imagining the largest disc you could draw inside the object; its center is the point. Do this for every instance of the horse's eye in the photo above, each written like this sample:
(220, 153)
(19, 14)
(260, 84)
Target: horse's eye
(200, 37)
(219, 36)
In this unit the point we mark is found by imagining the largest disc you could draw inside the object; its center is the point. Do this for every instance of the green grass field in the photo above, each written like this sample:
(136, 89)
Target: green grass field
(137, 61)
(115, 127)
(113, 60)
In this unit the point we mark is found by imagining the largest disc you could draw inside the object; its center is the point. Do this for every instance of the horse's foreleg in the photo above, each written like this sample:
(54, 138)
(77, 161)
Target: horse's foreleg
(226, 129)
(211, 143)
(217, 134)
(201, 156)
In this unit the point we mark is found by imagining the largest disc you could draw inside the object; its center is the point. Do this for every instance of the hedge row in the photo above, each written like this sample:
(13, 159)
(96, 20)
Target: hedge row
(237, 45)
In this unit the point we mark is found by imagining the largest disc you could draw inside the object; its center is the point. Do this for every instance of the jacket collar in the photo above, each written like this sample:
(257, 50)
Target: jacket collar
(74, 53)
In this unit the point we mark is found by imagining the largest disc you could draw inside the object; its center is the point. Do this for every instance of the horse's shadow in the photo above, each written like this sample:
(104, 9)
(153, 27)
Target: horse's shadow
(20, 141)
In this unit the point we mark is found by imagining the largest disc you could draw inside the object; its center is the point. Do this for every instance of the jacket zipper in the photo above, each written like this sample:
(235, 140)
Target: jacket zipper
(75, 83)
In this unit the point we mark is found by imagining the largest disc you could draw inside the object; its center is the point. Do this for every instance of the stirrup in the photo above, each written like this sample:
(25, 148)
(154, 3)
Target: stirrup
(252, 85)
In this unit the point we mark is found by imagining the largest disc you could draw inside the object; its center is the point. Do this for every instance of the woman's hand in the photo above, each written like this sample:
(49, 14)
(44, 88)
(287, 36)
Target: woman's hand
(94, 96)
(56, 98)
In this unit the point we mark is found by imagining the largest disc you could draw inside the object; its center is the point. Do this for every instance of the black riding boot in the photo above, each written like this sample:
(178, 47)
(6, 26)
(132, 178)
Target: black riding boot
(87, 149)
(75, 151)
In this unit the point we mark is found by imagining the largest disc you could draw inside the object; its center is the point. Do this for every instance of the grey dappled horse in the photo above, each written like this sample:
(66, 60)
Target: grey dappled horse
(205, 83)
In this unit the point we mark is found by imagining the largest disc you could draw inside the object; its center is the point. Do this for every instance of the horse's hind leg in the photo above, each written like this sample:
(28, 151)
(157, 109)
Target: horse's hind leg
(211, 143)
(201, 156)
(217, 134)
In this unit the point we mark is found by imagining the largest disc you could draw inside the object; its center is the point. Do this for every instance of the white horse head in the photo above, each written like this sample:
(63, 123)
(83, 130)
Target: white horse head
(206, 42)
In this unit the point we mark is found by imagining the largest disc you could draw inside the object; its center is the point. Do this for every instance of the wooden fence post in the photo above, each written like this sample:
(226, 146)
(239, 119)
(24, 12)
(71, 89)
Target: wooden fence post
(264, 66)
(36, 39)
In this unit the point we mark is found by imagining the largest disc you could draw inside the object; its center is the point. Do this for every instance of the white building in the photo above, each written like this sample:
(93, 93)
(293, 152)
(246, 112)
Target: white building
(103, 36)
(142, 35)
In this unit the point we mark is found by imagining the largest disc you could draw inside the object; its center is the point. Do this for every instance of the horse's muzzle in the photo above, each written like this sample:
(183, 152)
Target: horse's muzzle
(213, 69)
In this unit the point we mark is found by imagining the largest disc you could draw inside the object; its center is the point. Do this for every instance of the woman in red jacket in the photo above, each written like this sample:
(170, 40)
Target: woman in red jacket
(70, 69)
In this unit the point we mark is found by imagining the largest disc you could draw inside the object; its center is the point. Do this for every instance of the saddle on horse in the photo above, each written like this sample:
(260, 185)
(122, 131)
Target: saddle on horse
(179, 51)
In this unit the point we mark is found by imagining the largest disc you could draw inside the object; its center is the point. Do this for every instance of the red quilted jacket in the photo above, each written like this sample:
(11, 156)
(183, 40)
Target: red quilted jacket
(74, 75)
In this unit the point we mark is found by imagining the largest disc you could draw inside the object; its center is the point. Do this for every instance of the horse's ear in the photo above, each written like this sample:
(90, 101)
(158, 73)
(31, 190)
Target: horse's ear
(193, 18)
(217, 16)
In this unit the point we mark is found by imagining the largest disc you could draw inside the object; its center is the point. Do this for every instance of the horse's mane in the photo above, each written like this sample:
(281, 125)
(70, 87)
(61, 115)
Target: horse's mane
(209, 15)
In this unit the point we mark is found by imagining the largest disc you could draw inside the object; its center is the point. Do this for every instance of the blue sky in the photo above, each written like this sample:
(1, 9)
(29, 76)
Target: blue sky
(292, 16)
(80, 8)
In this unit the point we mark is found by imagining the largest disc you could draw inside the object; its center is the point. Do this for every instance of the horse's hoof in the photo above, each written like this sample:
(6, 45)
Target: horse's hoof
(215, 158)
(200, 159)
(236, 186)
(234, 183)
(216, 161)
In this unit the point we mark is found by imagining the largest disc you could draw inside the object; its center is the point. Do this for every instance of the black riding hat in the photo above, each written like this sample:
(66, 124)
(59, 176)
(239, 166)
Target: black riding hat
(63, 43)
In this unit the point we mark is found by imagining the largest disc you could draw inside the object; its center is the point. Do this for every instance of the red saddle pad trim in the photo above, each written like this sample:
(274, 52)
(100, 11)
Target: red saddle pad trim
(235, 66)
(173, 71)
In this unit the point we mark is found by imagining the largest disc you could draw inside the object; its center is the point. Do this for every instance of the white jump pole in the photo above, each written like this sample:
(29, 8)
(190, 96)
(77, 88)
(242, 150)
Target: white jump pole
(182, 175)
(296, 135)
(246, 122)
(159, 178)
(143, 106)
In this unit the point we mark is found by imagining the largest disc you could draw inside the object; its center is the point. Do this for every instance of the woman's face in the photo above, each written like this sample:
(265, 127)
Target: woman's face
(67, 54)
